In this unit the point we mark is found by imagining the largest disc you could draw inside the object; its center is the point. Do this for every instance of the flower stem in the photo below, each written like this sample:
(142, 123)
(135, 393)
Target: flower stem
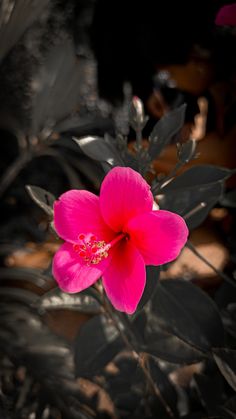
(140, 358)
(139, 139)
(157, 188)
(13, 170)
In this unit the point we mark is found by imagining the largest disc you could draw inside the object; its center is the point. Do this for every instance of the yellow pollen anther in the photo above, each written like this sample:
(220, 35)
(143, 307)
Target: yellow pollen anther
(91, 250)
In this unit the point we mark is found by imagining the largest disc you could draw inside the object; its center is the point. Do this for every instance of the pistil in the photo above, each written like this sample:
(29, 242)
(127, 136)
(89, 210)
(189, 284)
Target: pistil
(92, 250)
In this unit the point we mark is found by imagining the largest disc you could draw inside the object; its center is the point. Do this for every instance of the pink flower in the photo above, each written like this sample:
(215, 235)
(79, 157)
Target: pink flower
(114, 236)
(226, 16)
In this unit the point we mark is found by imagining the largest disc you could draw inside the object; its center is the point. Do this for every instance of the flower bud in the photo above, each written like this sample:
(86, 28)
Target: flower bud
(137, 116)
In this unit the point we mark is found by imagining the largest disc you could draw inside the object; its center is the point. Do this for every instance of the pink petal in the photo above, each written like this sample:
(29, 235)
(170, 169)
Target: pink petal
(226, 15)
(71, 273)
(124, 279)
(78, 212)
(124, 194)
(158, 235)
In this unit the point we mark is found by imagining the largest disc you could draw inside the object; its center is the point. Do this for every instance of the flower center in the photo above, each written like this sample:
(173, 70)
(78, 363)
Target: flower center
(92, 250)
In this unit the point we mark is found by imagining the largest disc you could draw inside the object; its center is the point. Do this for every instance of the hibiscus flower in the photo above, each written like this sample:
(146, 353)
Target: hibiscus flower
(114, 236)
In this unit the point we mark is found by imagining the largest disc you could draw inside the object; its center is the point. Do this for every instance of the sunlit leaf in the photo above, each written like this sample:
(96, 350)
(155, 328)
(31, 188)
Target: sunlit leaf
(100, 149)
(82, 302)
(226, 361)
(42, 198)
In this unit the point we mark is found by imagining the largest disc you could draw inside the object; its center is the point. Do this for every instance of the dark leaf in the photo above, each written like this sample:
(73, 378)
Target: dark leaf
(229, 199)
(49, 356)
(168, 126)
(197, 215)
(226, 413)
(230, 407)
(134, 327)
(89, 124)
(163, 383)
(56, 88)
(106, 167)
(96, 344)
(18, 294)
(194, 193)
(67, 168)
(42, 198)
(125, 376)
(89, 169)
(15, 18)
(33, 276)
(194, 203)
(127, 401)
(226, 361)
(210, 392)
(229, 319)
(187, 312)
(32, 343)
(100, 149)
(130, 160)
(152, 275)
(187, 151)
(225, 296)
(198, 175)
(196, 415)
(138, 326)
(170, 348)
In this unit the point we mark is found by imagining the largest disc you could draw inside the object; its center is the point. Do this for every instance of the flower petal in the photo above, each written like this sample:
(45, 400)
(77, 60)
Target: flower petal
(77, 212)
(124, 279)
(71, 273)
(124, 194)
(158, 235)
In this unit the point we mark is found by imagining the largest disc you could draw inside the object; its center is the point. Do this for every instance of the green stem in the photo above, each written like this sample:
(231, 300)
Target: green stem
(139, 139)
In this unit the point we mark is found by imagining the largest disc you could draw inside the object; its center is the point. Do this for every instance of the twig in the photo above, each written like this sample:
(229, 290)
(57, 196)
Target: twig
(23, 393)
(172, 173)
(224, 276)
(139, 139)
(13, 170)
